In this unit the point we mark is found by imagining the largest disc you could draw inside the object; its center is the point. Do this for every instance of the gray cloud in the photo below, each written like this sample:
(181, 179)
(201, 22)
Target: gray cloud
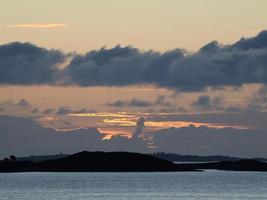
(214, 65)
(160, 101)
(178, 109)
(48, 111)
(140, 125)
(22, 106)
(132, 103)
(35, 110)
(210, 141)
(26, 64)
(205, 103)
(23, 136)
(258, 102)
(10, 106)
(253, 43)
(63, 110)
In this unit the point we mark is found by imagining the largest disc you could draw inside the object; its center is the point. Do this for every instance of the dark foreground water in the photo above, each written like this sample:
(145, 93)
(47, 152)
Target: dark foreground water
(211, 185)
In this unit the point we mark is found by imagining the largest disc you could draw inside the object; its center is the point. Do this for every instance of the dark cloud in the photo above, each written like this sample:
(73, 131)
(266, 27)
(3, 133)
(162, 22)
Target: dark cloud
(258, 102)
(140, 125)
(160, 101)
(24, 104)
(253, 43)
(10, 106)
(35, 110)
(23, 136)
(132, 103)
(211, 141)
(205, 103)
(48, 111)
(214, 65)
(118, 103)
(253, 120)
(64, 110)
(139, 103)
(26, 64)
(84, 110)
(178, 109)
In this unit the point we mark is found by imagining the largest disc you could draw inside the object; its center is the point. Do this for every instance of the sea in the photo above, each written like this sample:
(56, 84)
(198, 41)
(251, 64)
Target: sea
(207, 185)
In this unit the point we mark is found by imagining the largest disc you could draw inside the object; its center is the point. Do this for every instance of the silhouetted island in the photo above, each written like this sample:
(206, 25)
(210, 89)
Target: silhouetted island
(194, 158)
(121, 162)
(95, 162)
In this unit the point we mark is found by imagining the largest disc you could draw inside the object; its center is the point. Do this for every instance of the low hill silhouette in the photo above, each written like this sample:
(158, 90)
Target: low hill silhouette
(241, 165)
(95, 162)
(121, 162)
(194, 158)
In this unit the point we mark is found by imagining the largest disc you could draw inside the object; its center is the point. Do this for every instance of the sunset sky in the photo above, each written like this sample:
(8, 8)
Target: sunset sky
(83, 25)
(104, 65)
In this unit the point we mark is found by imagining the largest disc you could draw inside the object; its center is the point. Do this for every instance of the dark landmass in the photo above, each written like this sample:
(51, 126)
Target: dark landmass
(164, 156)
(241, 165)
(119, 162)
(35, 158)
(94, 162)
(192, 158)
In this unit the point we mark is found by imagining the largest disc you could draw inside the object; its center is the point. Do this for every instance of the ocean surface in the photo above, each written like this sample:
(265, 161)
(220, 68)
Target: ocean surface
(209, 185)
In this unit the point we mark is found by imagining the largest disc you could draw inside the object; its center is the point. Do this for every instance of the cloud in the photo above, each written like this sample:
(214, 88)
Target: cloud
(140, 125)
(23, 136)
(205, 103)
(63, 110)
(39, 26)
(21, 106)
(132, 103)
(252, 43)
(24, 104)
(27, 64)
(160, 101)
(258, 102)
(48, 111)
(214, 65)
(178, 109)
(210, 141)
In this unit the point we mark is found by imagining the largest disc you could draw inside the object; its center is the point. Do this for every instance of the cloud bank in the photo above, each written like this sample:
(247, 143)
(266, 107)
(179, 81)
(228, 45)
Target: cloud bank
(23, 136)
(214, 65)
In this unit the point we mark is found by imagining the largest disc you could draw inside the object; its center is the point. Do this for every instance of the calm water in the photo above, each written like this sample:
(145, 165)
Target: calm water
(211, 185)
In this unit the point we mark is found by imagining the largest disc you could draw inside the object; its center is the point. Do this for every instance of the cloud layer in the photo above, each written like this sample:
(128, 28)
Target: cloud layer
(214, 65)
(23, 136)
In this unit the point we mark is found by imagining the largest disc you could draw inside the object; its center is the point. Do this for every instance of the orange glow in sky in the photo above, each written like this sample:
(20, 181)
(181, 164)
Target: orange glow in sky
(123, 123)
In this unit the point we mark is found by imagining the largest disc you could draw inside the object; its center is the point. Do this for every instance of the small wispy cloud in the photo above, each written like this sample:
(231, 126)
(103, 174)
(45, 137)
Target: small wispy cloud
(39, 26)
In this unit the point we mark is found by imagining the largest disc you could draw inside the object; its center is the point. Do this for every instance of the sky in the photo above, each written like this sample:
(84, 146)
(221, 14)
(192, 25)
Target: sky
(84, 25)
(145, 76)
